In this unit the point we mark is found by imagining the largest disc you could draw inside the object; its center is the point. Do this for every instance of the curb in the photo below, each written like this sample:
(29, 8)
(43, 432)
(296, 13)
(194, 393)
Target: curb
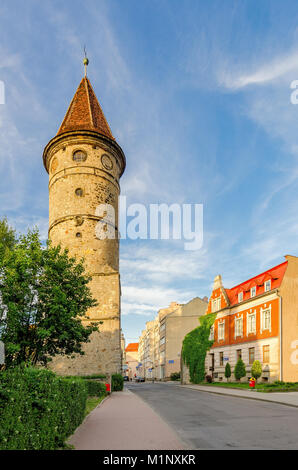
(237, 396)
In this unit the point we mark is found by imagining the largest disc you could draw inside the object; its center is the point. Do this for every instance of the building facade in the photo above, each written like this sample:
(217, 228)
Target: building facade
(131, 360)
(85, 164)
(175, 323)
(257, 320)
(161, 342)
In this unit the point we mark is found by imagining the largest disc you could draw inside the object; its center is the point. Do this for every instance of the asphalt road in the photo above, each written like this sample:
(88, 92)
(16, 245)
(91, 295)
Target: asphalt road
(208, 421)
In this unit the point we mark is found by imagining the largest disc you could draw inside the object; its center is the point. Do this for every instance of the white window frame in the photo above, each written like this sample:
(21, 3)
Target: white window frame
(254, 288)
(216, 304)
(263, 311)
(211, 336)
(268, 282)
(240, 297)
(250, 316)
(221, 324)
(239, 320)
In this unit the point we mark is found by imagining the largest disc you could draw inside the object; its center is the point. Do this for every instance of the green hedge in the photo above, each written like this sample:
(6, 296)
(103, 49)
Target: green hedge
(175, 376)
(117, 382)
(87, 377)
(39, 410)
(95, 388)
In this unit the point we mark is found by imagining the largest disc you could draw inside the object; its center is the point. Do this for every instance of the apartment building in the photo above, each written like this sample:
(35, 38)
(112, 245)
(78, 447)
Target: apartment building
(160, 343)
(131, 360)
(257, 319)
(175, 322)
(146, 351)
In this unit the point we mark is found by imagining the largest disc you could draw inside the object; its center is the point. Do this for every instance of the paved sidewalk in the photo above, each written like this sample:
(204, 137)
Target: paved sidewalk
(125, 422)
(283, 398)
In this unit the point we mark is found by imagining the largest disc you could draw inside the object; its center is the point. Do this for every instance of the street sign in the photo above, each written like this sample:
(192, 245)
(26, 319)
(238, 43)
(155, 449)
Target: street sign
(226, 358)
(171, 361)
(2, 353)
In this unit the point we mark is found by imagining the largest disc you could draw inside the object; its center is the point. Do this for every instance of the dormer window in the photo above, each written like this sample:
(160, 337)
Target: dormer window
(240, 297)
(253, 291)
(216, 304)
(267, 285)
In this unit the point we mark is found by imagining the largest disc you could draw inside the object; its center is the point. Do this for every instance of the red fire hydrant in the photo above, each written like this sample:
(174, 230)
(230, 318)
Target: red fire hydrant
(252, 382)
(108, 388)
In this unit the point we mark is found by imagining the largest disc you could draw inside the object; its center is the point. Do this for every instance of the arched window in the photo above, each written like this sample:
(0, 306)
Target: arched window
(79, 156)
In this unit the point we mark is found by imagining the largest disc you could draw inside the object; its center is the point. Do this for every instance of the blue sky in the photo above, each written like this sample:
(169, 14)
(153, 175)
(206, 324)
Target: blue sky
(198, 96)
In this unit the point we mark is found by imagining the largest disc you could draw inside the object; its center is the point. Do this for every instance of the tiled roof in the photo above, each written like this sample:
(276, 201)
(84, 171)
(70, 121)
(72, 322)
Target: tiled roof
(85, 113)
(132, 347)
(276, 275)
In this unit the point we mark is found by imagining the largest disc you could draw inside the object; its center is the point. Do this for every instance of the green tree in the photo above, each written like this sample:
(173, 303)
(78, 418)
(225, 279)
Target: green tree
(195, 346)
(256, 369)
(44, 296)
(228, 371)
(7, 238)
(240, 370)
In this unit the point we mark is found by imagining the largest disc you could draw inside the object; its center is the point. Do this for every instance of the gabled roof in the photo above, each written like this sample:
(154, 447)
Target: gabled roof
(276, 275)
(85, 113)
(132, 347)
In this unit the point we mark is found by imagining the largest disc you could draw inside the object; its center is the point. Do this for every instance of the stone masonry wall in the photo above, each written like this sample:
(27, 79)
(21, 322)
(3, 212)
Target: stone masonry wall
(72, 223)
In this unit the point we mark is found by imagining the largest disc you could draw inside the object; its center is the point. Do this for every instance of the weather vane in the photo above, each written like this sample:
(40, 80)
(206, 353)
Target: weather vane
(85, 61)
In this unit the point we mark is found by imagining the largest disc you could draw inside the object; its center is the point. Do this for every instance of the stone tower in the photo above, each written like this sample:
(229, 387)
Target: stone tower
(85, 164)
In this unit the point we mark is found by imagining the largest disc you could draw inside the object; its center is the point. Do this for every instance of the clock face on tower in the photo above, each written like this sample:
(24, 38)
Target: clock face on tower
(106, 161)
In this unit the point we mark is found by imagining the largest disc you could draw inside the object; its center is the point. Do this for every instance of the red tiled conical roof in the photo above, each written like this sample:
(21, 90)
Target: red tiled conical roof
(85, 113)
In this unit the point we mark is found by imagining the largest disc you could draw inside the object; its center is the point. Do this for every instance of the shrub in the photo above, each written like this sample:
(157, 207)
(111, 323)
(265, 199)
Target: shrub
(256, 369)
(175, 376)
(95, 388)
(208, 379)
(94, 376)
(228, 371)
(240, 370)
(117, 383)
(38, 409)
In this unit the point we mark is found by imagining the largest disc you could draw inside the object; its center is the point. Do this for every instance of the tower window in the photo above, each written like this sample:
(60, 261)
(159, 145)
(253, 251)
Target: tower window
(79, 156)
(79, 192)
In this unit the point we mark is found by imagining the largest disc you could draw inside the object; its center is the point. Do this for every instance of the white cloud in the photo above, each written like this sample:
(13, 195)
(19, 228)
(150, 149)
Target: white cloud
(275, 69)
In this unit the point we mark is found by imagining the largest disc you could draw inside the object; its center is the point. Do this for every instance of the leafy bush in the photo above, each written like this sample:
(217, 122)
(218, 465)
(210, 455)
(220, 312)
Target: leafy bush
(175, 376)
(228, 371)
(87, 377)
(117, 383)
(208, 379)
(240, 370)
(94, 376)
(38, 409)
(95, 388)
(256, 369)
(195, 346)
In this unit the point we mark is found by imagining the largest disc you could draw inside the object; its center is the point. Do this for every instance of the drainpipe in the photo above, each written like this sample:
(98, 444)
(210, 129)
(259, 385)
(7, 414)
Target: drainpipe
(280, 337)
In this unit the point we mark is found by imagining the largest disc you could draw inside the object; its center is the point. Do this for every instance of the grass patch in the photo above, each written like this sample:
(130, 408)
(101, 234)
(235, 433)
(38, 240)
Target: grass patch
(262, 387)
(92, 402)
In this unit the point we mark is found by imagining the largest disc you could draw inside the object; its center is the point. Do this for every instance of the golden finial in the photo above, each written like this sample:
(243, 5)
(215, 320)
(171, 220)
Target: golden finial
(85, 61)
